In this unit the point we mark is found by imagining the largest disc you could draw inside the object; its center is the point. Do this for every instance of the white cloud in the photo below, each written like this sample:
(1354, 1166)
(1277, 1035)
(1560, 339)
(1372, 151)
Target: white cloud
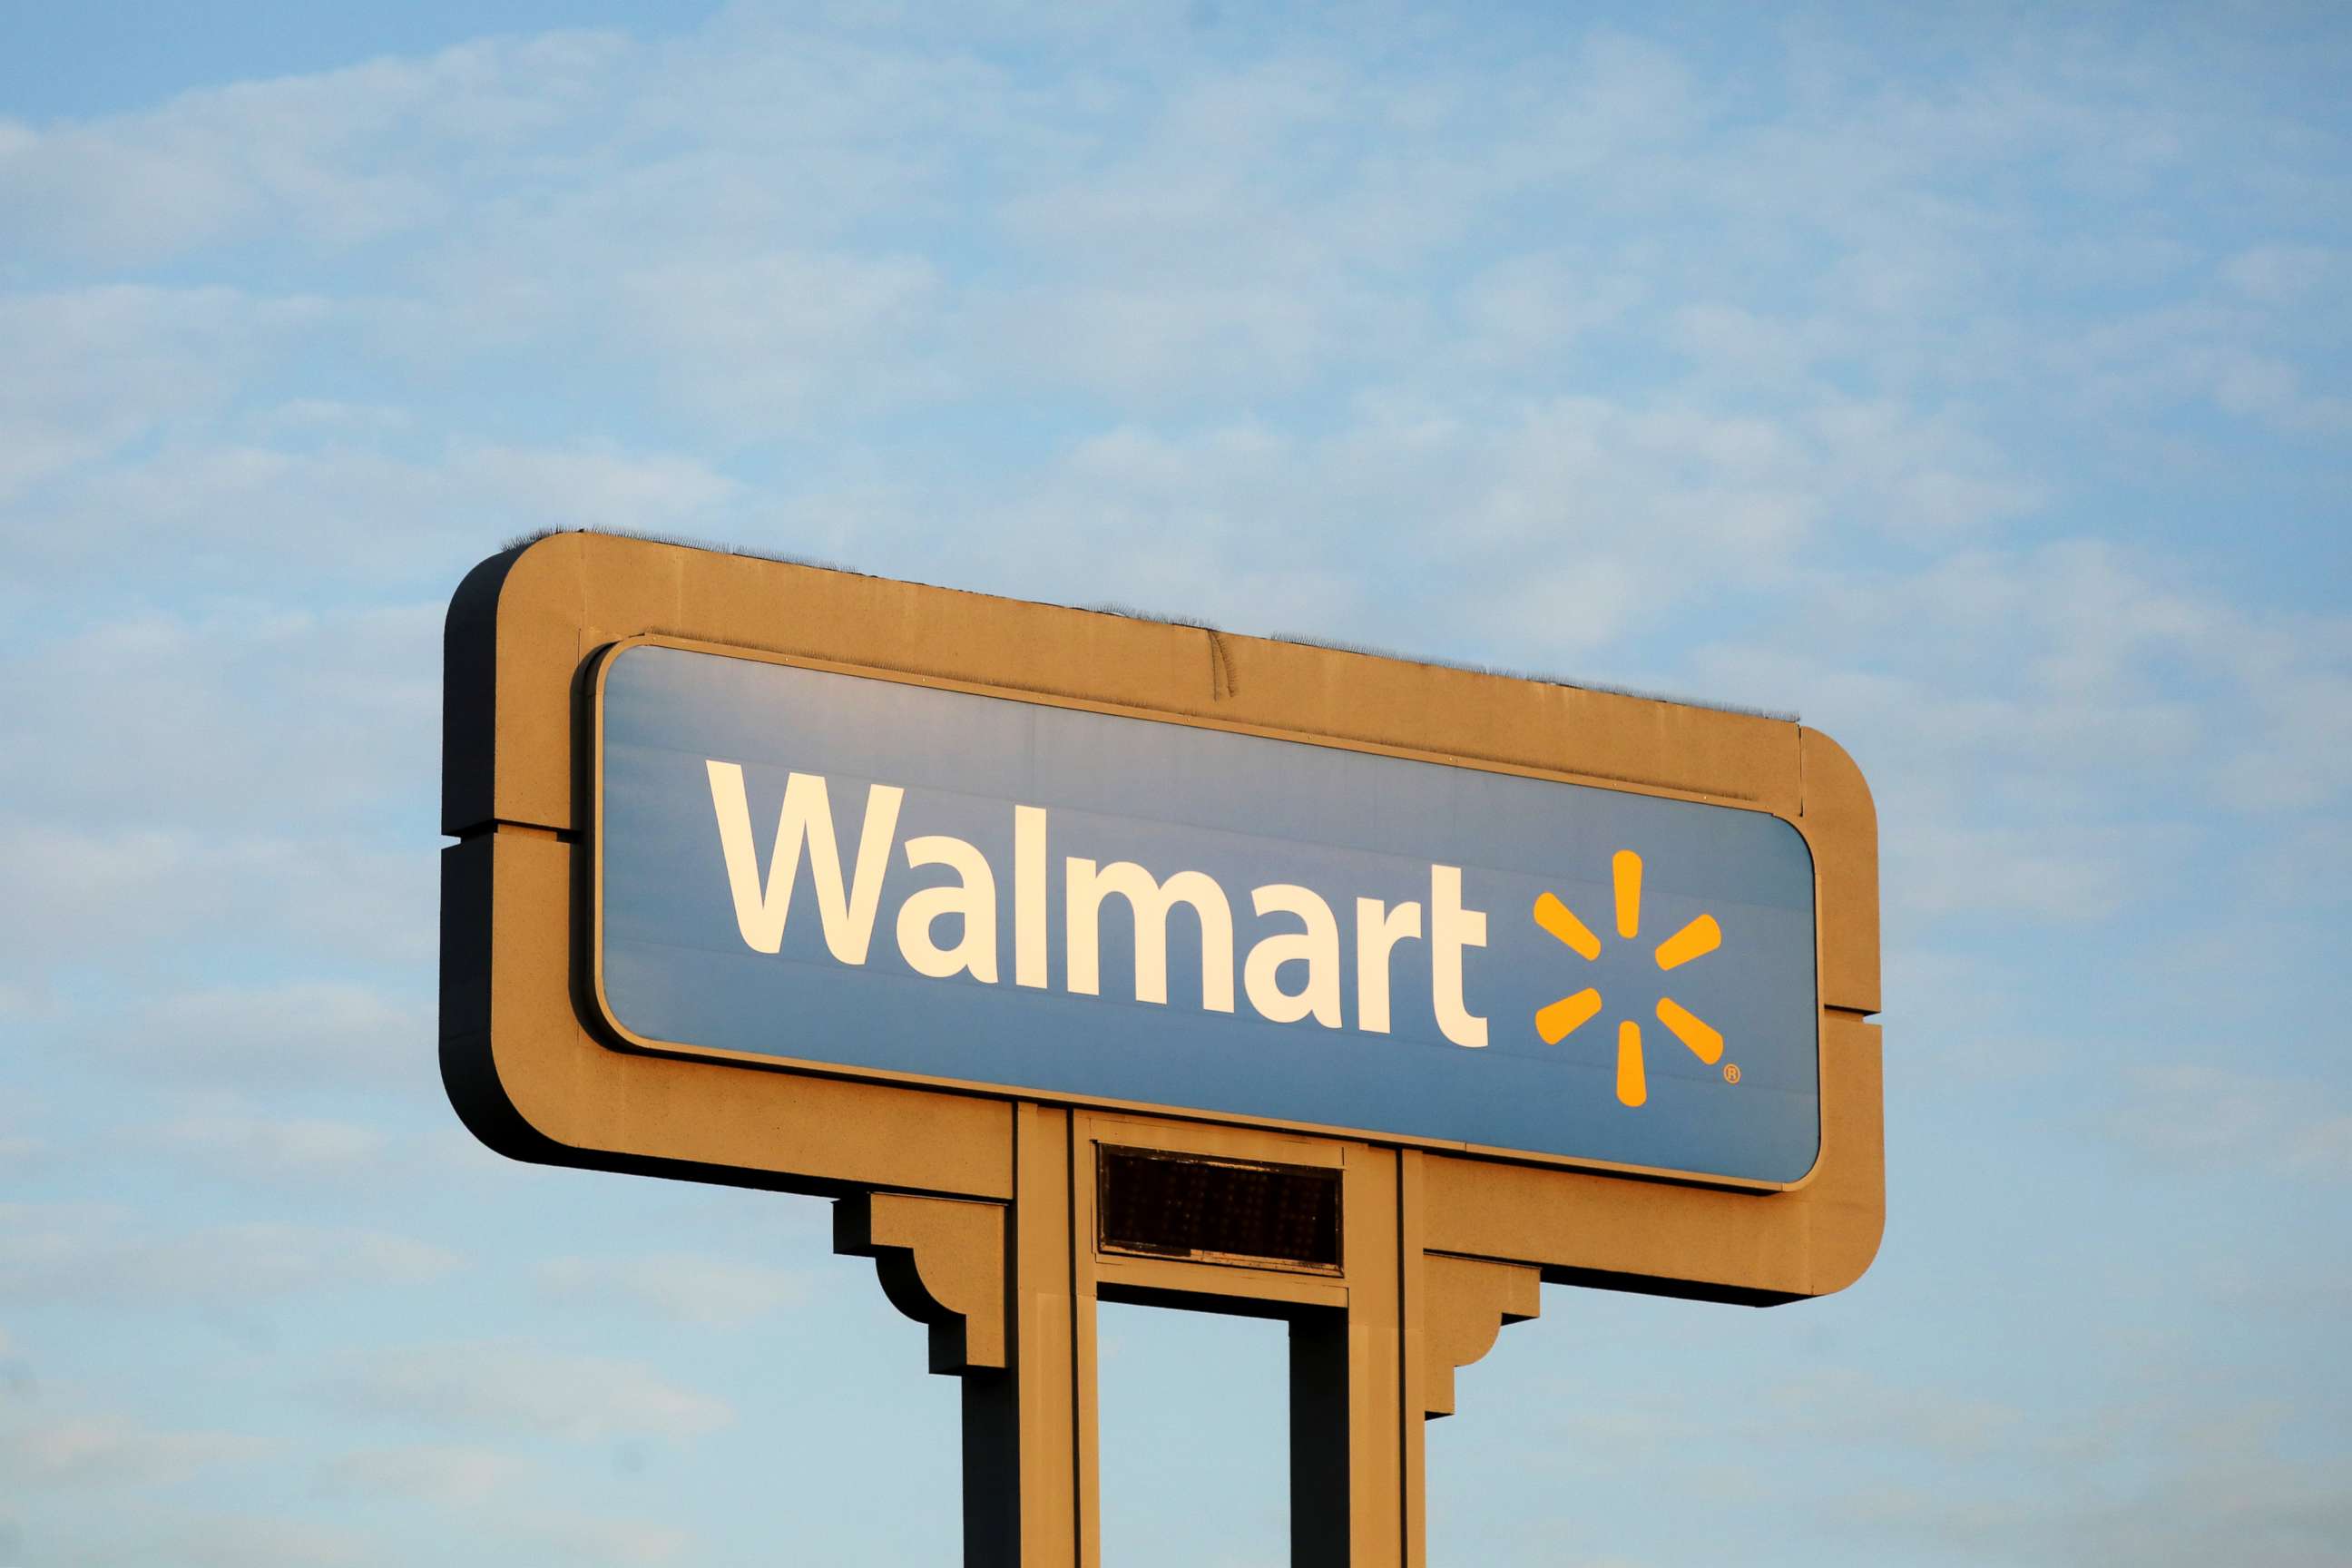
(98, 1256)
(186, 784)
(2281, 274)
(2282, 1511)
(1529, 308)
(337, 158)
(494, 1493)
(1848, 1408)
(702, 1291)
(264, 1037)
(1156, 344)
(1522, 532)
(1171, 222)
(95, 368)
(135, 901)
(2310, 865)
(159, 719)
(509, 1387)
(622, 1542)
(2048, 729)
(1946, 867)
(2232, 1121)
(244, 520)
(444, 1475)
(270, 1148)
(777, 340)
(109, 1450)
(586, 488)
(232, 1541)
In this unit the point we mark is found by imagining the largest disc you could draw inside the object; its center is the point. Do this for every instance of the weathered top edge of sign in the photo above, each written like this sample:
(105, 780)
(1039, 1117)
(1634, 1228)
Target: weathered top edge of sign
(1125, 612)
(522, 624)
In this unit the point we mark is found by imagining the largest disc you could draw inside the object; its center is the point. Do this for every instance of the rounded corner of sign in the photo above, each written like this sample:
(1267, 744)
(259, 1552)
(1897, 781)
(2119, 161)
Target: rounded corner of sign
(1819, 1157)
(1827, 761)
(492, 601)
(1838, 808)
(542, 546)
(522, 568)
(483, 585)
(604, 656)
(600, 1021)
(1814, 1167)
(1570, 1165)
(1848, 1271)
(489, 1089)
(619, 646)
(1793, 818)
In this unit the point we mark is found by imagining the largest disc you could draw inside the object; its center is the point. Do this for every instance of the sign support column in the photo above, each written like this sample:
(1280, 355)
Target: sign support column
(1009, 1293)
(1051, 1403)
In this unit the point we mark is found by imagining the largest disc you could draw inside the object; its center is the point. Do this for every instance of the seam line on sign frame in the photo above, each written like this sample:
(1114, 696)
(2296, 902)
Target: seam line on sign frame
(1222, 683)
(1082, 1313)
(472, 831)
(1412, 1421)
(1803, 779)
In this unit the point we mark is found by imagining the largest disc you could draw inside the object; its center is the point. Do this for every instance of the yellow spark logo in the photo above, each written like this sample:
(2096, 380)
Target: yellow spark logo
(1562, 1018)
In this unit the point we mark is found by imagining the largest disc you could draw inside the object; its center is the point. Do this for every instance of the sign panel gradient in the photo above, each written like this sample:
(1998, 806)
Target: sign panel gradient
(875, 875)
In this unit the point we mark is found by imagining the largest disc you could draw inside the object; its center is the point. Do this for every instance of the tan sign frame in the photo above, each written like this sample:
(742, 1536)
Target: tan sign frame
(978, 1205)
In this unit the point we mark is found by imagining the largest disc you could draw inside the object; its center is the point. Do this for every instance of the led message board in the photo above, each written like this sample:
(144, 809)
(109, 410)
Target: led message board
(836, 870)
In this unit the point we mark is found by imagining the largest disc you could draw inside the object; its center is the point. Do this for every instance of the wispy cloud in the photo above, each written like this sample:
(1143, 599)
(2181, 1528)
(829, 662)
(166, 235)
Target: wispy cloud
(324, 1033)
(2215, 1120)
(685, 1288)
(239, 1142)
(96, 1256)
(510, 1387)
(444, 1474)
(110, 1451)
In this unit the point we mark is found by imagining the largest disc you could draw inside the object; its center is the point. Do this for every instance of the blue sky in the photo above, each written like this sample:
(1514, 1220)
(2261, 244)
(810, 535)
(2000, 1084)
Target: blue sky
(1976, 388)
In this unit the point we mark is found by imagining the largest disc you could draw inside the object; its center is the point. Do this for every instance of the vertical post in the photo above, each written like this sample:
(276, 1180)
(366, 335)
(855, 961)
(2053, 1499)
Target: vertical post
(1356, 1438)
(1319, 1524)
(1413, 1305)
(1029, 1486)
(1009, 1289)
(992, 1468)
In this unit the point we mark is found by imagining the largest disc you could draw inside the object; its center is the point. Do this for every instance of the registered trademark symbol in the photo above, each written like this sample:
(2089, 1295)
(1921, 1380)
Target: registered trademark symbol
(1731, 1072)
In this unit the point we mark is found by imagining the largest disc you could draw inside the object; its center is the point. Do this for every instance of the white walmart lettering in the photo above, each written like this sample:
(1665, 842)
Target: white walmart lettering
(966, 911)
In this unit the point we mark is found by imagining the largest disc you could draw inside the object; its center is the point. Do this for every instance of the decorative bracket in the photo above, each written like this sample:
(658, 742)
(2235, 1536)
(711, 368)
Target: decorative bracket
(1466, 1302)
(942, 1262)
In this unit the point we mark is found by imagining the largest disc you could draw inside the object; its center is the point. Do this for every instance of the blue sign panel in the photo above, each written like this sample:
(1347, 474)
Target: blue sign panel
(870, 874)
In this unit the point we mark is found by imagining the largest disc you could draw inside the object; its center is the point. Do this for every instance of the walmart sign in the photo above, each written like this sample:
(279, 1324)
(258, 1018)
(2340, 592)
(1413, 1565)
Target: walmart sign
(873, 875)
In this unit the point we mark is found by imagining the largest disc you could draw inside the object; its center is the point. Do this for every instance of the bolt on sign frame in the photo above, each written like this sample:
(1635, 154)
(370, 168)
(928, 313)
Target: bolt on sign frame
(1001, 1202)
